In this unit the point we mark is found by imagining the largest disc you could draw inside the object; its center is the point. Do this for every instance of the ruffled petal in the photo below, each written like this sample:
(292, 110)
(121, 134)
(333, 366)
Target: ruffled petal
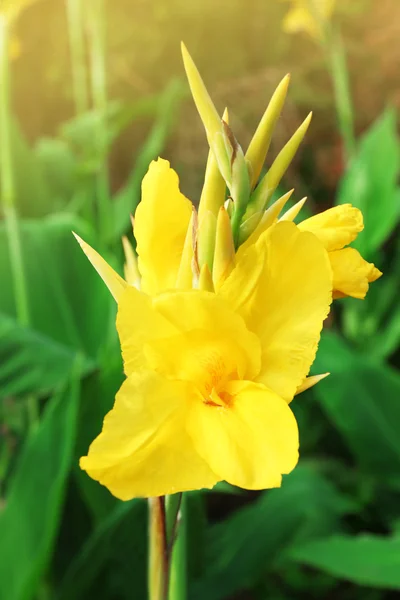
(161, 223)
(249, 443)
(282, 286)
(144, 449)
(192, 335)
(351, 273)
(138, 324)
(336, 227)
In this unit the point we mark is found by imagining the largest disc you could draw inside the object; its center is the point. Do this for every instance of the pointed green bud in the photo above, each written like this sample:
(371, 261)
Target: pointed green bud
(260, 222)
(131, 270)
(263, 192)
(240, 186)
(260, 143)
(205, 280)
(206, 239)
(208, 114)
(224, 257)
(188, 268)
(248, 226)
(214, 189)
(292, 213)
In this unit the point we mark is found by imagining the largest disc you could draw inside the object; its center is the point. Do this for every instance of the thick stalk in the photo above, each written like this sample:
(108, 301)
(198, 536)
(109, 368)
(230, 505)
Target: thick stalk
(7, 194)
(158, 550)
(7, 183)
(96, 27)
(77, 52)
(178, 561)
(341, 84)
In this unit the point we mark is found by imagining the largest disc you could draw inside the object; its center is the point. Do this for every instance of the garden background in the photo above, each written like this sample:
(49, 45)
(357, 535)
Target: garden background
(91, 92)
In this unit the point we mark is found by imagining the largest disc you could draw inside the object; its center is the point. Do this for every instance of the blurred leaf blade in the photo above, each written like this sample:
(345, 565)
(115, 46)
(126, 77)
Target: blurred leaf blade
(69, 308)
(364, 560)
(361, 399)
(370, 183)
(243, 547)
(29, 521)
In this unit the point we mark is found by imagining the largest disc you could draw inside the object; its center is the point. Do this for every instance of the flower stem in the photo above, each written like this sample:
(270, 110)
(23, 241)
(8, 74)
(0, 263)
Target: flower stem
(7, 190)
(96, 20)
(158, 550)
(340, 78)
(77, 50)
(177, 577)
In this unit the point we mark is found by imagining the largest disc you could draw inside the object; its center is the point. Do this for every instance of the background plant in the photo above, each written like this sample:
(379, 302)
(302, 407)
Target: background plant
(85, 112)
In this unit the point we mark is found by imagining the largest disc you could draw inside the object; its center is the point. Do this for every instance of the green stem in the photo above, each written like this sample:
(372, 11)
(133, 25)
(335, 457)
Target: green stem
(7, 183)
(178, 566)
(341, 84)
(7, 194)
(77, 50)
(158, 550)
(96, 20)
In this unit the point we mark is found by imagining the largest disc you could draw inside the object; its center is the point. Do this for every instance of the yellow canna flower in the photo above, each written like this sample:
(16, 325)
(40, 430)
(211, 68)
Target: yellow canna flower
(224, 329)
(310, 16)
(210, 376)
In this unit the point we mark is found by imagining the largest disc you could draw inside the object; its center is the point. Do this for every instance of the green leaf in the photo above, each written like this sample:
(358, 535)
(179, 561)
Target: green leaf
(69, 307)
(30, 519)
(103, 385)
(60, 170)
(31, 361)
(365, 560)
(118, 544)
(80, 132)
(31, 189)
(362, 400)
(370, 183)
(244, 546)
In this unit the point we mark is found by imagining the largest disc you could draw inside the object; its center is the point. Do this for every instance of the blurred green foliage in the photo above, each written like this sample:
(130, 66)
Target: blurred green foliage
(332, 530)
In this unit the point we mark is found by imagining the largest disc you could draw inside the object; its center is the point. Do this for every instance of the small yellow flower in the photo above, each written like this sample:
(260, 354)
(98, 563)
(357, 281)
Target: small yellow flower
(11, 9)
(310, 16)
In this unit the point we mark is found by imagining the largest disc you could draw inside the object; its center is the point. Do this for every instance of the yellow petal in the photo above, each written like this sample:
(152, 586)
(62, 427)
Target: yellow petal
(336, 227)
(351, 273)
(282, 286)
(161, 223)
(249, 443)
(310, 16)
(138, 324)
(300, 19)
(211, 339)
(113, 281)
(185, 335)
(188, 267)
(144, 449)
(309, 382)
